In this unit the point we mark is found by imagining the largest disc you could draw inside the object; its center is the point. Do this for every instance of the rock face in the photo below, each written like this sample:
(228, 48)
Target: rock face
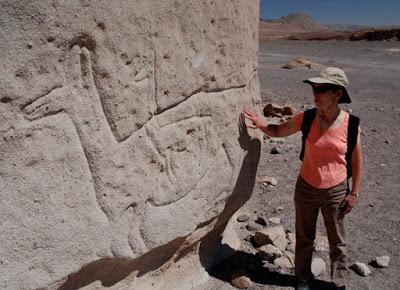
(119, 144)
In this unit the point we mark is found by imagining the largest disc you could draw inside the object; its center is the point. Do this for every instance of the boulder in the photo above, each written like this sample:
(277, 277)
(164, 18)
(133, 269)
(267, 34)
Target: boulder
(240, 280)
(283, 262)
(270, 252)
(253, 226)
(275, 220)
(318, 266)
(272, 110)
(272, 235)
(269, 180)
(119, 140)
(360, 269)
(380, 262)
(243, 218)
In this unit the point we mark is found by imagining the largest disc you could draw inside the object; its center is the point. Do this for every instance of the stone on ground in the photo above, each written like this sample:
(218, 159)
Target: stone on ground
(380, 262)
(321, 243)
(240, 280)
(272, 235)
(270, 252)
(318, 266)
(360, 269)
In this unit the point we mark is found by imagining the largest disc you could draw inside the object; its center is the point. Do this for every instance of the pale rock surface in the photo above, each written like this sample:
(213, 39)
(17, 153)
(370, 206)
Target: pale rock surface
(243, 218)
(291, 248)
(360, 269)
(120, 155)
(230, 237)
(291, 237)
(321, 243)
(318, 266)
(283, 262)
(269, 180)
(242, 282)
(381, 261)
(275, 220)
(270, 252)
(272, 235)
(253, 226)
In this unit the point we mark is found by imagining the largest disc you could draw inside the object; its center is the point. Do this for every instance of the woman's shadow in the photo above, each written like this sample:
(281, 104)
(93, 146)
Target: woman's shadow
(251, 265)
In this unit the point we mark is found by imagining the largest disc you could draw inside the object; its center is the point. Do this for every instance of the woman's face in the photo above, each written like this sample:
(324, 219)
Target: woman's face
(325, 95)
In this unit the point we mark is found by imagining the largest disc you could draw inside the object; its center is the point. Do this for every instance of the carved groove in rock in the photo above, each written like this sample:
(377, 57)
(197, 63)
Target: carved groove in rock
(120, 154)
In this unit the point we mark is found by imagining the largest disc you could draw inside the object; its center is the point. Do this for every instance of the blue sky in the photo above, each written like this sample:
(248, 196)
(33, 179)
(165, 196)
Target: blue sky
(367, 12)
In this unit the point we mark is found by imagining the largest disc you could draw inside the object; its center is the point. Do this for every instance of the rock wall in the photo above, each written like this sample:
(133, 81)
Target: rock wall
(121, 158)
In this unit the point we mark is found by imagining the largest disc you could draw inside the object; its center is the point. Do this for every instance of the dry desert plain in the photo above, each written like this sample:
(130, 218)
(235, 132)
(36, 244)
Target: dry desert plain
(373, 227)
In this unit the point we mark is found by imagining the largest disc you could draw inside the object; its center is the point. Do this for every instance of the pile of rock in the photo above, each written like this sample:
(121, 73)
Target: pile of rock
(298, 62)
(275, 247)
(363, 270)
(273, 110)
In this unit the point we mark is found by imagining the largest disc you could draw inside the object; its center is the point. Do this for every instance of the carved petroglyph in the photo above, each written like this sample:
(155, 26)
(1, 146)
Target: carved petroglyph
(119, 138)
(166, 142)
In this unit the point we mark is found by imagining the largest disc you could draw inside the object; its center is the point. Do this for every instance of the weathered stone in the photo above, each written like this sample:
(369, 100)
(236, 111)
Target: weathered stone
(318, 266)
(269, 180)
(230, 237)
(275, 220)
(299, 62)
(287, 111)
(360, 269)
(380, 262)
(243, 218)
(270, 252)
(283, 262)
(271, 267)
(290, 65)
(303, 61)
(321, 243)
(271, 110)
(276, 150)
(252, 226)
(240, 280)
(291, 248)
(262, 220)
(291, 237)
(272, 235)
(119, 139)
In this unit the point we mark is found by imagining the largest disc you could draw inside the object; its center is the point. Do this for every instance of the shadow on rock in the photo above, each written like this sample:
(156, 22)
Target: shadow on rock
(209, 247)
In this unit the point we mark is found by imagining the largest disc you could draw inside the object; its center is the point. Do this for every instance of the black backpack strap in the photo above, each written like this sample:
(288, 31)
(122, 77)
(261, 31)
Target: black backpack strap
(308, 118)
(352, 135)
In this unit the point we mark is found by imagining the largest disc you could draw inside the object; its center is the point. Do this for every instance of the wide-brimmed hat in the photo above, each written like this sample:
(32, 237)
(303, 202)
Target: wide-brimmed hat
(334, 76)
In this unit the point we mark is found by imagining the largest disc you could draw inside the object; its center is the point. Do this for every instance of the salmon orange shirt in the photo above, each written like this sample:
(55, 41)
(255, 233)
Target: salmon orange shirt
(324, 162)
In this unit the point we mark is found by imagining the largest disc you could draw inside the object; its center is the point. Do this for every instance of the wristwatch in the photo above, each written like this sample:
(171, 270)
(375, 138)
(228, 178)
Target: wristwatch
(355, 193)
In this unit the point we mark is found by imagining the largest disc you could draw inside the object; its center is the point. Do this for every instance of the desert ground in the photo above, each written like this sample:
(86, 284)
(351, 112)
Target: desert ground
(373, 227)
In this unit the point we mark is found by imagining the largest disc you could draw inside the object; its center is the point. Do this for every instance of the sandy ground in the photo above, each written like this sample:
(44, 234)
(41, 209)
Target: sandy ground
(373, 227)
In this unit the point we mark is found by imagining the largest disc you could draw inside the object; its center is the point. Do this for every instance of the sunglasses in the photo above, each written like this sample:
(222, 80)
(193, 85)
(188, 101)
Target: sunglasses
(323, 89)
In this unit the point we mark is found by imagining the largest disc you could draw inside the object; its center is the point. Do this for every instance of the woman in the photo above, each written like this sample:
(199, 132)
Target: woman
(322, 182)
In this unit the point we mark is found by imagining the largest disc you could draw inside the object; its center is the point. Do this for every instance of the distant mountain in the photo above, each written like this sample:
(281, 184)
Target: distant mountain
(285, 26)
(300, 26)
(301, 21)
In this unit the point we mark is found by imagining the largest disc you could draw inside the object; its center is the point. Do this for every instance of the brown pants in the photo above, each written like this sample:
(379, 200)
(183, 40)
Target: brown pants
(308, 201)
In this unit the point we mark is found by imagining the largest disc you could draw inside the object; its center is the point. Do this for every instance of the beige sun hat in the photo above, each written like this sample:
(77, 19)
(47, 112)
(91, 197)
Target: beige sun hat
(335, 76)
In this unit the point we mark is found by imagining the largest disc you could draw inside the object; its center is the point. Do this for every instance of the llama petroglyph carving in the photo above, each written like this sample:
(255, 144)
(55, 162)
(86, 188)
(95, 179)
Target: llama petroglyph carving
(119, 140)
(116, 166)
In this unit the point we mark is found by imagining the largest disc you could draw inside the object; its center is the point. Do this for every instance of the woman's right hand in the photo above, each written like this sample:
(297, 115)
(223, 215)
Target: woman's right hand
(256, 123)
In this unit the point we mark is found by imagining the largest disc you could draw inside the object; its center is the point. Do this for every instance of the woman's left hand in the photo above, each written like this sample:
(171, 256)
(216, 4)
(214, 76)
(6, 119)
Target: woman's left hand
(349, 202)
